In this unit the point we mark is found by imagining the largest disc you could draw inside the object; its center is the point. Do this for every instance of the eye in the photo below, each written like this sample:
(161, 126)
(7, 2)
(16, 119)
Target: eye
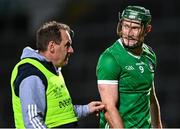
(125, 26)
(68, 44)
(136, 28)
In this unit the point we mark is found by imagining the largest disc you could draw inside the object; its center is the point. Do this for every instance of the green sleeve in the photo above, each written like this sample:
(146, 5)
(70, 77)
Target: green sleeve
(107, 68)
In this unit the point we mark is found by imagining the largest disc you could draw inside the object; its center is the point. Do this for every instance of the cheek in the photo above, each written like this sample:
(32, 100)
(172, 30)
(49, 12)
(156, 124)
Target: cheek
(59, 53)
(136, 33)
(124, 31)
(63, 53)
(141, 35)
(61, 50)
(140, 32)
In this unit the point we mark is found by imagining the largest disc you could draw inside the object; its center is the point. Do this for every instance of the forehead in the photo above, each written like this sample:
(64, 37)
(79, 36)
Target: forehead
(132, 22)
(65, 35)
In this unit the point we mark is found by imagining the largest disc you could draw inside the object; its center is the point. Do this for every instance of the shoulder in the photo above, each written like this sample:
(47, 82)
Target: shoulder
(111, 57)
(107, 65)
(148, 48)
(110, 52)
(149, 51)
(26, 70)
(106, 58)
(150, 54)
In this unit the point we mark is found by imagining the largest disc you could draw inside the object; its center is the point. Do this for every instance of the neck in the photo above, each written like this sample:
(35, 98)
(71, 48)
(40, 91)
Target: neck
(46, 55)
(136, 51)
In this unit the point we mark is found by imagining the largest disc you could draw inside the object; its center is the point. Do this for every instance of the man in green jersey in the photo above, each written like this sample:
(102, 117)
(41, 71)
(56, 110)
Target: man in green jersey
(39, 94)
(125, 73)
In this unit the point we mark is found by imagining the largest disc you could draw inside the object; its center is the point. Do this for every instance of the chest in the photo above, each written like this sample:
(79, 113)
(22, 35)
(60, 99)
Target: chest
(137, 73)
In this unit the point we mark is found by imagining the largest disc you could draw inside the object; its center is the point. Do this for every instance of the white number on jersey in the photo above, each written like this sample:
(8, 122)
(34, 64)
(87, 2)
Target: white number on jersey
(141, 69)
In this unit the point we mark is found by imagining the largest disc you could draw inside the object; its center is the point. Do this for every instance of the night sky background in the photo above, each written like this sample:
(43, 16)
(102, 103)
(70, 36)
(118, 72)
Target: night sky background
(94, 23)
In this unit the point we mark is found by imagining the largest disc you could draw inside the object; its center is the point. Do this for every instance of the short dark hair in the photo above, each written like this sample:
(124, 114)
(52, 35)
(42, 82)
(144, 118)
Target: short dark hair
(50, 31)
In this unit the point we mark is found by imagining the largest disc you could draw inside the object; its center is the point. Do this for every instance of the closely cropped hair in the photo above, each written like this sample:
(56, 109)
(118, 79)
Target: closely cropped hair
(50, 31)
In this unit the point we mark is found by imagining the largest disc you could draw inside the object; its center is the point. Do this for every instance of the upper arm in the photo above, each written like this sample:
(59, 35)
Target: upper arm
(107, 78)
(107, 69)
(153, 94)
(32, 90)
(109, 94)
(25, 71)
(32, 96)
(108, 74)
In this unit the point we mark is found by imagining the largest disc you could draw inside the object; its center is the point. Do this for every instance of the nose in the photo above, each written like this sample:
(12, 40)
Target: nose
(70, 50)
(130, 32)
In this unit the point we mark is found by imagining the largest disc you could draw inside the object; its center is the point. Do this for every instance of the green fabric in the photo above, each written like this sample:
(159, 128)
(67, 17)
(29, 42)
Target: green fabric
(60, 109)
(134, 77)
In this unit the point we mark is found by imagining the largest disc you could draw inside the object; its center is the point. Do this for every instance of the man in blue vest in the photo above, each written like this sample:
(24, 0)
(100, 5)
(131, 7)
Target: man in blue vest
(39, 94)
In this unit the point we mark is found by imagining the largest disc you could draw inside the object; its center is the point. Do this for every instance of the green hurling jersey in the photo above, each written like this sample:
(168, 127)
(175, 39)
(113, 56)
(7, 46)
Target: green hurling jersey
(134, 76)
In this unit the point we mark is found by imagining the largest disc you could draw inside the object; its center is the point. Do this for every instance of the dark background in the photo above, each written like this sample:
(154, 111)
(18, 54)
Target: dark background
(94, 23)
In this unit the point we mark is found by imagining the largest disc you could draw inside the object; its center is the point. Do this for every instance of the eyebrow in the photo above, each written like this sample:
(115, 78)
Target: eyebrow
(135, 25)
(131, 22)
(68, 43)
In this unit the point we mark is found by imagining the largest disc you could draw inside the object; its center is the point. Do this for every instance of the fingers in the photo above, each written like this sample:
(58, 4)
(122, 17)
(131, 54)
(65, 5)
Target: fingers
(99, 107)
(96, 103)
(96, 106)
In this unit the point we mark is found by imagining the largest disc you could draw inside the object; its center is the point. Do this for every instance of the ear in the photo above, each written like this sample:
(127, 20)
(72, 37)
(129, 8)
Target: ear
(148, 28)
(51, 46)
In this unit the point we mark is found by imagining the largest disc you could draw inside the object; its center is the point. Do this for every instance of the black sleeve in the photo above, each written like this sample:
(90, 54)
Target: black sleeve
(27, 70)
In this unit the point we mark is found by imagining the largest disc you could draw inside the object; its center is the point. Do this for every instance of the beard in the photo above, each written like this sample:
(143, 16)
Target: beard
(137, 42)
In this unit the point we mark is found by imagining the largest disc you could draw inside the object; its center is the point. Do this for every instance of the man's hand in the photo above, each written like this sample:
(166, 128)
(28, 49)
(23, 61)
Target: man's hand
(95, 107)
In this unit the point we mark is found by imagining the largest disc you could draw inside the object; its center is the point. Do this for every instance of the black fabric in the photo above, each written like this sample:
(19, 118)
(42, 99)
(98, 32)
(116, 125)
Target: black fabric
(48, 65)
(26, 70)
(70, 125)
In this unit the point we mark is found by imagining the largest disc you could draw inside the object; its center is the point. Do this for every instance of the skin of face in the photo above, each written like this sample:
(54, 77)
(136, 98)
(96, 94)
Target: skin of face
(132, 33)
(63, 50)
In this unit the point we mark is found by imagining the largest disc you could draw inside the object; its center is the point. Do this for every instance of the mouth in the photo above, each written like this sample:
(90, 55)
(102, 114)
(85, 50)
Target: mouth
(67, 57)
(129, 41)
(130, 38)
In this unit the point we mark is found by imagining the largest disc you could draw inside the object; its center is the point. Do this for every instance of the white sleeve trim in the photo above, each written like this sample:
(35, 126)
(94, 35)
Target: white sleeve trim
(107, 81)
(32, 112)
